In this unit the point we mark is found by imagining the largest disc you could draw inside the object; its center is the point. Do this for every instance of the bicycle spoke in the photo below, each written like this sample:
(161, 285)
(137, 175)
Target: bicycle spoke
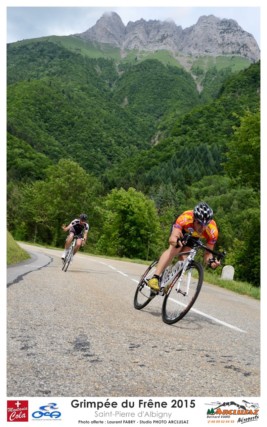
(143, 294)
(182, 294)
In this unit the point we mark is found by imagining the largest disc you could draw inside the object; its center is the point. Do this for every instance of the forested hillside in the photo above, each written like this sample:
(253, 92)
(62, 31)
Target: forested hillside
(133, 144)
(65, 105)
(194, 145)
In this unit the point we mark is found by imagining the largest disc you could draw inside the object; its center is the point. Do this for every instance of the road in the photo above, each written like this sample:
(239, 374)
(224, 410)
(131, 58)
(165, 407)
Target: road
(78, 334)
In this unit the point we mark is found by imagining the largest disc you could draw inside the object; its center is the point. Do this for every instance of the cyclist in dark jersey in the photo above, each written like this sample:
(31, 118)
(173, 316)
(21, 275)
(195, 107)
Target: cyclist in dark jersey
(78, 227)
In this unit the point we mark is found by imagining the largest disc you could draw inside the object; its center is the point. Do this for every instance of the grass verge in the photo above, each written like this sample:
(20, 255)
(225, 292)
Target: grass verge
(243, 288)
(15, 253)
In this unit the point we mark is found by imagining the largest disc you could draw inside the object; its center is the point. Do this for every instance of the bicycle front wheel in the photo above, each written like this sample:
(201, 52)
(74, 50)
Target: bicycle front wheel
(182, 293)
(68, 259)
(144, 294)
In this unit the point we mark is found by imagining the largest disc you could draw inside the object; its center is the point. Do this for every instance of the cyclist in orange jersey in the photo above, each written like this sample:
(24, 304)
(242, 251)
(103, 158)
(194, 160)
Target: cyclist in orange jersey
(200, 223)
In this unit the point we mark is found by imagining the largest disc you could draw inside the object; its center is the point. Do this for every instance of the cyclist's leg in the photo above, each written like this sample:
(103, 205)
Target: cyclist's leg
(69, 240)
(165, 259)
(78, 245)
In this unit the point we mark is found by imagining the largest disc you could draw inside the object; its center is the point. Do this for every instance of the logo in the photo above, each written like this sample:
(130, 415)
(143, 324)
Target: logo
(243, 412)
(49, 411)
(17, 410)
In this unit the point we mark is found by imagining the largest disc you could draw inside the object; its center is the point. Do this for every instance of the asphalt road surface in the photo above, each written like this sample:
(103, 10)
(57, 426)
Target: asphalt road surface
(78, 334)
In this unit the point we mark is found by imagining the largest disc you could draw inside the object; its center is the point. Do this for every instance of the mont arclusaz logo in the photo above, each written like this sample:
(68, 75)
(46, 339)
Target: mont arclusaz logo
(242, 413)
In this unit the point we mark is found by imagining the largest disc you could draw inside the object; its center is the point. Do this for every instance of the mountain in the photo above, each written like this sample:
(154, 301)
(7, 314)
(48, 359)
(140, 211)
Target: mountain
(209, 36)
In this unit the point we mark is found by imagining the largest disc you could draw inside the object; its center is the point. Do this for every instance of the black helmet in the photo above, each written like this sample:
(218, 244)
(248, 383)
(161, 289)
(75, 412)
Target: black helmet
(203, 213)
(83, 217)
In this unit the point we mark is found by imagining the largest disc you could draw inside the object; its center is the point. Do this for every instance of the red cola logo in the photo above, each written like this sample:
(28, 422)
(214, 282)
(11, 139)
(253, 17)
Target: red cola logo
(17, 410)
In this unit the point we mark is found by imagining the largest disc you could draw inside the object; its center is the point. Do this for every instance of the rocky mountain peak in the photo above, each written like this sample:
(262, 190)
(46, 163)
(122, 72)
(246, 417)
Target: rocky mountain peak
(214, 36)
(209, 36)
(108, 29)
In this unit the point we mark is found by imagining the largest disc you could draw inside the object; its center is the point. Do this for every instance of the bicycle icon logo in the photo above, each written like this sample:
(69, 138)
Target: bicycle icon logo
(49, 410)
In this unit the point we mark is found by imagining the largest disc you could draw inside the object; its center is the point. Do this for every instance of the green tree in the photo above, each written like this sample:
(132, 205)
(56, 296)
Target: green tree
(45, 205)
(247, 254)
(243, 156)
(131, 227)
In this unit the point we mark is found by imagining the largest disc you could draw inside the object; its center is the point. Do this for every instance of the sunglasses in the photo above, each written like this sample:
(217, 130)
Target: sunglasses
(203, 223)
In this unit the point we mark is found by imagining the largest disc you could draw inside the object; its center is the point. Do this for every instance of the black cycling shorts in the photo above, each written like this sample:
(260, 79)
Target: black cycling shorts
(78, 235)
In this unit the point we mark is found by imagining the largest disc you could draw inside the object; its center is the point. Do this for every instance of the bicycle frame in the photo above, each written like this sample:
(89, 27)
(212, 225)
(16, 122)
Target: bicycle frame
(170, 272)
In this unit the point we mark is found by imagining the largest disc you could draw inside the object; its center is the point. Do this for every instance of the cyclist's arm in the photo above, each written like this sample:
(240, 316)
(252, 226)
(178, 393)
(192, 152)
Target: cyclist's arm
(85, 237)
(66, 227)
(180, 225)
(209, 259)
(175, 235)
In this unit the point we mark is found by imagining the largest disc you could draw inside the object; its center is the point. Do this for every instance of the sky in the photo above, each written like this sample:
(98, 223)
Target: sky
(29, 22)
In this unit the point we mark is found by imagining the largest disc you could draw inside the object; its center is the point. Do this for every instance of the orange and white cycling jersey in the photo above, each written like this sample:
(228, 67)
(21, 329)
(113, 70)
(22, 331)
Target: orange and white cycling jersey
(186, 222)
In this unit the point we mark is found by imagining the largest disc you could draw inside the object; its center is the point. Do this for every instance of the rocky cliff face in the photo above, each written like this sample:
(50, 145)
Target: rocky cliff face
(209, 36)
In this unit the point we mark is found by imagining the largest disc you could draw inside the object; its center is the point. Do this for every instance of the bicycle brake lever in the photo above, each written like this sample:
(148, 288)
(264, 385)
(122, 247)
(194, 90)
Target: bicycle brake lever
(185, 238)
(221, 255)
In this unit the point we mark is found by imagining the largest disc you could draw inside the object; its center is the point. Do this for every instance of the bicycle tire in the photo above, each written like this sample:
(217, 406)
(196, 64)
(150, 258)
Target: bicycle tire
(68, 259)
(143, 294)
(176, 303)
(64, 260)
(63, 263)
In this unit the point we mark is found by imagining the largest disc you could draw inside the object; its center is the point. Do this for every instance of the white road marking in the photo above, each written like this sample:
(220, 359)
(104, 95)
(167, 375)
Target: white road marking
(214, 319)
(218, 321)
(123, 274)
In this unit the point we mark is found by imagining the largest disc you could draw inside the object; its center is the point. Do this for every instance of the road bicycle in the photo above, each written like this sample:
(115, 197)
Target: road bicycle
(69, 255)
(180, 282)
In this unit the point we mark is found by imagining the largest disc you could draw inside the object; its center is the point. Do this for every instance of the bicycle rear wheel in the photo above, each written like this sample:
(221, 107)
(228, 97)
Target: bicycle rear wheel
(143, 294)
(182, 294)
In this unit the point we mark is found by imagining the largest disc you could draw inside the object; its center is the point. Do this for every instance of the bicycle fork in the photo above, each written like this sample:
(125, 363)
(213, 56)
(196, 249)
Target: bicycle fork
(188, 280)
(187, 262)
